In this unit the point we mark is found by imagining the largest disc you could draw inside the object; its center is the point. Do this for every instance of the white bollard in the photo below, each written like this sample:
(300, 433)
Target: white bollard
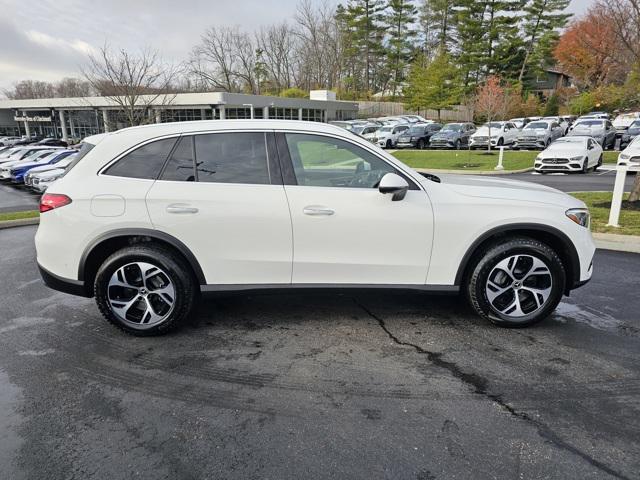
(500, 157)
(618, 192)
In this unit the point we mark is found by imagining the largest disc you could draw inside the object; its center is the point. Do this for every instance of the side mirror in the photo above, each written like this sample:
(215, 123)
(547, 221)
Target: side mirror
(394, 184)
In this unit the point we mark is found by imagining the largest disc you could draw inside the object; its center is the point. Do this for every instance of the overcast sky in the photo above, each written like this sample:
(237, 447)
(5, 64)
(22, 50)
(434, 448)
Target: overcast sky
(50, 39)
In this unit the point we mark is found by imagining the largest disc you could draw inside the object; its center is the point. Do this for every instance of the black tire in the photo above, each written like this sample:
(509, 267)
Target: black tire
(420, 144)
(585, 166)
(478, 275)
(176, 269)
(457, 145)
(500, 142)
(600, 160)
(388, 144)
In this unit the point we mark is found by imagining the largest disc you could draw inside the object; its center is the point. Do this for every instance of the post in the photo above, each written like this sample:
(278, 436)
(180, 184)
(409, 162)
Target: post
(265, 113)
(63, 125)
(500, 158)
(105, 120)
(222, 112)
(27, 131)
(158, 115)
(299, 113)
(618, 192)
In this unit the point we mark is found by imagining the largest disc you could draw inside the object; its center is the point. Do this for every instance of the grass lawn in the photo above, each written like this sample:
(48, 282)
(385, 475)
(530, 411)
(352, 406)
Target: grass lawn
(18, 215)
(599, 204)
(474, 160)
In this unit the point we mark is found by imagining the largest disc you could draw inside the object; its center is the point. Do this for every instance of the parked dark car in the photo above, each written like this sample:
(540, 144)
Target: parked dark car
(52, 142)
(632, 132)
(418, 136)
(453, 135)
(26, 141)
(602, 130)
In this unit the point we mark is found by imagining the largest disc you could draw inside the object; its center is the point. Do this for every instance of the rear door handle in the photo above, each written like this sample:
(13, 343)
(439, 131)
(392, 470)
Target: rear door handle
(316, 211)
(181, 208)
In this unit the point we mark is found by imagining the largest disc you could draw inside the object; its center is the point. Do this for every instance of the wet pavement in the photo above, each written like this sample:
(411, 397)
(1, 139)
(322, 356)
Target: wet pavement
(318, 385)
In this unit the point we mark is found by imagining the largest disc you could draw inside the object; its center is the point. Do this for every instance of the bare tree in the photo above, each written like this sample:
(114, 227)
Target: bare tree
(72, 87)
(491, 101)
(26, 89)
(276, 45)
(133, 82)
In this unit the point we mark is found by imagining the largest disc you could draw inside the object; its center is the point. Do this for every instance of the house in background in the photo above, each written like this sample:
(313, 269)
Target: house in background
(547, 82)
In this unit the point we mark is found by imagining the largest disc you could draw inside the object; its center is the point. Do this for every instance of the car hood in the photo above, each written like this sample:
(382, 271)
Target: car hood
(532, 131)
(563, 149)
(587, 130)
(502, 189)
(445, 135)
(50, 173)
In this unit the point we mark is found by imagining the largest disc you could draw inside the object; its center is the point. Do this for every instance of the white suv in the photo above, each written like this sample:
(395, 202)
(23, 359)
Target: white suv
(161, 213)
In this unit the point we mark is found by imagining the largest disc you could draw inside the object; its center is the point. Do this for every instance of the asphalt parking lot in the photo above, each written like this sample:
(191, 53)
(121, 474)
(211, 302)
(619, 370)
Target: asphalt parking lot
(317, 385)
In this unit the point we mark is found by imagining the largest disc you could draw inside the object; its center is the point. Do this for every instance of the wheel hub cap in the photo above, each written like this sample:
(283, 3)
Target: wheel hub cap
(518, 285)
(141, 294)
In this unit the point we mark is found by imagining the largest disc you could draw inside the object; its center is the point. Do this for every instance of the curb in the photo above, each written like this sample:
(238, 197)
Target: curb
(476, 172)
(616, 242)
(22, 222)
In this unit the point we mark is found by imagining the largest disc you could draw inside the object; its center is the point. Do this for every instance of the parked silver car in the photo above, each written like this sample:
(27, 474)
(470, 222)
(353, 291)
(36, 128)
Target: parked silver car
(538, 134)
(600, 129)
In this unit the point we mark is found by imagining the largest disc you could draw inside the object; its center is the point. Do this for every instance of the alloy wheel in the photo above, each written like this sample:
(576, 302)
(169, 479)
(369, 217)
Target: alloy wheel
(518, 286)
(141, 294)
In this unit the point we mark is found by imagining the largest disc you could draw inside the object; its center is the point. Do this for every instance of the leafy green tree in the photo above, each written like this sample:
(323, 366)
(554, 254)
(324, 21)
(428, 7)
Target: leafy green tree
(294, 92)
(363, 34)
(399, 22)
(433, 84)
(540, 23)
(438, 22)
(553, 106)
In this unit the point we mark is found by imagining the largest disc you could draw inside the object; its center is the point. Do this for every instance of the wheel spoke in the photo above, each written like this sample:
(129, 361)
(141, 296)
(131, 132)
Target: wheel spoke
(514, 309)
(141, 294)
(537, 268)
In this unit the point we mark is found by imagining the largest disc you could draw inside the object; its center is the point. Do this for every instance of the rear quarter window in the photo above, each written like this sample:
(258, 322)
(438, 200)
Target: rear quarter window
(144, 162)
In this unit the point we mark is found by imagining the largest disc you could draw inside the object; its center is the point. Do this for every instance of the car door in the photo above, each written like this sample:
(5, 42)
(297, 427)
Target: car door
(594, 152)
(221, 194)
(397, 131)
(511, 133)
(345, 231)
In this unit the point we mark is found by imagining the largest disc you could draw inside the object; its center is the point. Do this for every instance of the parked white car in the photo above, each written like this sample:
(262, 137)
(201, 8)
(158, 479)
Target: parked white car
(631, 155)
(18, 153)
(538, 134)
(570, 154)
(40, 182)
(5, 167)
(162, 212)
(387, 136)
(8, 141)
(498, 133)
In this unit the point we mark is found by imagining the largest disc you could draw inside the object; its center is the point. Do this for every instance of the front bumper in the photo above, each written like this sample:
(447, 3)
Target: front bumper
(72, 287)
(557, 165)
(441, 143)
(406, 145)
(538, 143)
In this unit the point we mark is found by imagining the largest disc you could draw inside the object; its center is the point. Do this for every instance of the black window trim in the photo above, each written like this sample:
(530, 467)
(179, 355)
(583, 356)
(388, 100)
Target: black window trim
(286, 164)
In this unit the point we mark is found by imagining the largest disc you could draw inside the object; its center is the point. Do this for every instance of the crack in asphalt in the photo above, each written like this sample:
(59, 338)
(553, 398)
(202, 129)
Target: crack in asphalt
(479, 386)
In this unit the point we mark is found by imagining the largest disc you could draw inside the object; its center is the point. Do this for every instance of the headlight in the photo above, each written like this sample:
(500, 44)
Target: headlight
(576, 159)
(539, 157)
(579, 215)
(624, 156)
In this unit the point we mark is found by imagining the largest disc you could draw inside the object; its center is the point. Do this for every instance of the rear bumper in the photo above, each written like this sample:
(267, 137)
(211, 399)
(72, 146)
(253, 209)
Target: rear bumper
(66, 285)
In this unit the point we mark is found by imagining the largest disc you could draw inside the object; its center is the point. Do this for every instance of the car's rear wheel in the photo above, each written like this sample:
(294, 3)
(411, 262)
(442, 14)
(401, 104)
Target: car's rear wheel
(516, 283)
(145, 290)
(600, 160)
(421, 144)
(388, 144)
(457, 145)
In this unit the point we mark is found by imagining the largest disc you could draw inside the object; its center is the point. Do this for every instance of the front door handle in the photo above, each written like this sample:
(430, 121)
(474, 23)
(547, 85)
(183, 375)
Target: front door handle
(316, 211)
(181, 208)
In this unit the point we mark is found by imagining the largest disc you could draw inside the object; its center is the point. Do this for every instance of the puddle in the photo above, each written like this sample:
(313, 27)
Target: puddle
(10, 441)
(587, 315)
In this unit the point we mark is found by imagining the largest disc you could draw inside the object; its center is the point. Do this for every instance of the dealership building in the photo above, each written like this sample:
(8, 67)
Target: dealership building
(76, 118)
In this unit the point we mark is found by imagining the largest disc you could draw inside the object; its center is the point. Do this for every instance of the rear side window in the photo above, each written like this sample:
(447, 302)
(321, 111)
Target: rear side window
(181, 167)
(143, 162)
(232, 158)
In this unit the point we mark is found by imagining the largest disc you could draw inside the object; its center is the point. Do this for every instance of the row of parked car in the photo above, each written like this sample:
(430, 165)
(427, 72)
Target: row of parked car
(531, 133)
(34, 165)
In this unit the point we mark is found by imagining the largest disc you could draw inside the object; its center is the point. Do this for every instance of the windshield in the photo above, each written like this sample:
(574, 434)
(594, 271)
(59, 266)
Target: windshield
(357, 130)
(590, 123)
(452, 127)
(534, 125)
(627, 116)
(416, 131)
(636, 124)
(386, 129)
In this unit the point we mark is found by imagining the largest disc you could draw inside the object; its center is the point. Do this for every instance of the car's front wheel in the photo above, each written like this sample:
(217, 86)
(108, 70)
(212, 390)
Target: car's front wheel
(145, 290)
(516, 282)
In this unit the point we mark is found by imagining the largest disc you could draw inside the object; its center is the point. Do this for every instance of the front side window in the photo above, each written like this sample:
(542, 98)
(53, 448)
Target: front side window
(330, 162)
(232, 158)
(144, 162)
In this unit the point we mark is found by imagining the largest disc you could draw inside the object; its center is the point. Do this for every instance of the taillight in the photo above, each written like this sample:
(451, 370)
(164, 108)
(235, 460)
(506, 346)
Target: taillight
(49, 201)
